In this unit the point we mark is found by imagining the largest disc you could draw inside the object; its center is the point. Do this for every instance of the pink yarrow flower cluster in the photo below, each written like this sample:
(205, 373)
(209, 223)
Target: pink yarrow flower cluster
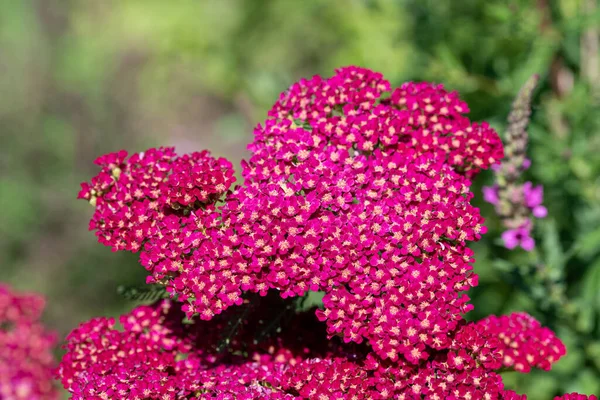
(133, 196)
(378, 223)
(524, 343)
(26, 360)
(156, 356)
(352, 189)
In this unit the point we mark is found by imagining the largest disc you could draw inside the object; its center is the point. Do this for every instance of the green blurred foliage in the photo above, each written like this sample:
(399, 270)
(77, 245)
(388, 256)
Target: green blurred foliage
(80, 78)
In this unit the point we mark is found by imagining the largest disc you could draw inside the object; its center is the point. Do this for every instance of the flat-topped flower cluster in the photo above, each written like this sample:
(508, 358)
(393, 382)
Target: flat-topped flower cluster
(352, 189)
(26, 360)
(155, 356)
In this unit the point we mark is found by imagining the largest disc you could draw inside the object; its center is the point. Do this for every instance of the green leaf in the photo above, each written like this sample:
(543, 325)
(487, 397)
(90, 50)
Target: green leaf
(574, 357)
(553, 251)
(593, 350)
(587, 381)
(590, 293)
(588, 244)
(146, 293)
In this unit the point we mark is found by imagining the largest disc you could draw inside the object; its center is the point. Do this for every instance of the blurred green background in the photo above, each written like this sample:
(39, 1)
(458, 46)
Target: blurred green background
(82, 78)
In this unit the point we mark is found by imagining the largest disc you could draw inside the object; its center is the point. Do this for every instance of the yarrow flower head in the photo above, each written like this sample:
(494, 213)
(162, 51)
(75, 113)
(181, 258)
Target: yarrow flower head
(354, 110)
(133, 195)
(523, 342)
(353, 189)
(156, 356)
(341, 184)
(26, 360)
(198, 179)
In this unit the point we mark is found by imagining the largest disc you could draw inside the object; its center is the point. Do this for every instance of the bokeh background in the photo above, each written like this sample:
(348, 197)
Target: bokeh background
(82, 78)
